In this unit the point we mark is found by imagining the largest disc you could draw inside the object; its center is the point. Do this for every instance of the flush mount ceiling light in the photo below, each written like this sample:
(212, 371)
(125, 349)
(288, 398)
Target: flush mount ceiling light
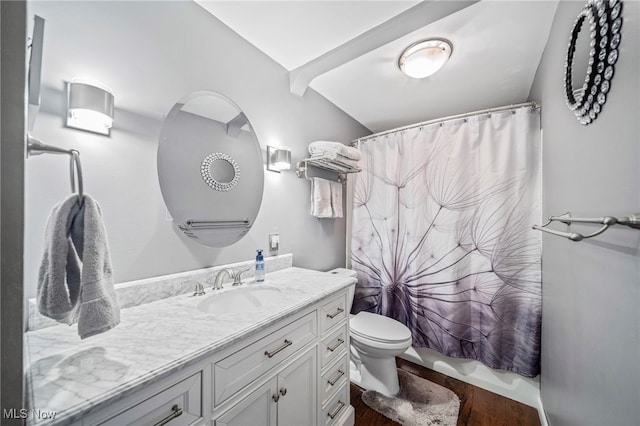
(89, 107)
(278, 158)
(425, 57)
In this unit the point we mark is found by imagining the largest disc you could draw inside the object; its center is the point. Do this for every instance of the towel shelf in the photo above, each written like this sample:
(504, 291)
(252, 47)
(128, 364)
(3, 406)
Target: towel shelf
(326, 163)
(632, 221)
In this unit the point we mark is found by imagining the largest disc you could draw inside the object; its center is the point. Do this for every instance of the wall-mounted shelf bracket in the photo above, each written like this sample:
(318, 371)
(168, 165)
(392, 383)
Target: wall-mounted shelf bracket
(326, 163)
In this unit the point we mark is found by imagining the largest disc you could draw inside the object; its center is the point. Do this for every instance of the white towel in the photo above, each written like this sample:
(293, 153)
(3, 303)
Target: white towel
(336, 199)
(321, 198)
(75, 281)
(326, 148)
(338, 158)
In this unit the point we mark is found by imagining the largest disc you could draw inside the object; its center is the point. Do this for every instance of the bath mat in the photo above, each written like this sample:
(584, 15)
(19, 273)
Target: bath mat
(419, 403)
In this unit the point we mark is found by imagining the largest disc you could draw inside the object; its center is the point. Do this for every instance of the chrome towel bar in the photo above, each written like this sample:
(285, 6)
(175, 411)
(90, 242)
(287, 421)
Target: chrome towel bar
(632, 221)
(36, 147)
(194, 224)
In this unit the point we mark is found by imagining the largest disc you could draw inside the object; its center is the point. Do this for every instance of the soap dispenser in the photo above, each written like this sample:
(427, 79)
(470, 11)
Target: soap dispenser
(259, 267)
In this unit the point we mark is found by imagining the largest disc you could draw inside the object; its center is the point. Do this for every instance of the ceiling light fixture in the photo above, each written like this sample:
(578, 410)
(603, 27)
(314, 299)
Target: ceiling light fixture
(425, 57)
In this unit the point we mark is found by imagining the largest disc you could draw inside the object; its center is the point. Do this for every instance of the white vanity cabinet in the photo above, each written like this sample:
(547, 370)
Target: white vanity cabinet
(289, 398)
(175, 400)
(296, 375)
(333, 384)
(294, 372)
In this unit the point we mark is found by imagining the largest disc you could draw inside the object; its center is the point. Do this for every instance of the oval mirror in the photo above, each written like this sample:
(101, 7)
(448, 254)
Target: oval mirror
(210, 169)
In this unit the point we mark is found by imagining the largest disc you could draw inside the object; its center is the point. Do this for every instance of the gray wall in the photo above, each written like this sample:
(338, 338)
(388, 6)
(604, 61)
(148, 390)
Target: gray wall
(153, 54)
(591, 289)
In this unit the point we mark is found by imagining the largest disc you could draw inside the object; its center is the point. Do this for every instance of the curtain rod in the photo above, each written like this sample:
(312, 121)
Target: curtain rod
(449, 118)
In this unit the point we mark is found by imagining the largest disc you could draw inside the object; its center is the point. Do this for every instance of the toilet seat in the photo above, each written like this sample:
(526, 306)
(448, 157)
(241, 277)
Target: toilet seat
(378, 330)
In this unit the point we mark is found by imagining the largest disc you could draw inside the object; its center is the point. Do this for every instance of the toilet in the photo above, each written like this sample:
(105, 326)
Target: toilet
(375, 342)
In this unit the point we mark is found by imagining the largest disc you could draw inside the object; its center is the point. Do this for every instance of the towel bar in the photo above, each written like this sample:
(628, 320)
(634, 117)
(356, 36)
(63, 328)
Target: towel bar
(199, 224)
(36, 147)
(632, 221)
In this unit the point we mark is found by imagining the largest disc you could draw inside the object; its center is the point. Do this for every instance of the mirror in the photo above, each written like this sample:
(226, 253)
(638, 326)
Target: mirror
(210, 169)
(591, 56)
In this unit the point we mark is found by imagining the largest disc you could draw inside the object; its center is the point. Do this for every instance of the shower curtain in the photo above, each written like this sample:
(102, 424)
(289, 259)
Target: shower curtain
(442, 237)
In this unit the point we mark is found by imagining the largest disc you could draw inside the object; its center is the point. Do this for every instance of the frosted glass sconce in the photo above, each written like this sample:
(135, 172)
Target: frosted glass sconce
(278, 158)
(89, 108)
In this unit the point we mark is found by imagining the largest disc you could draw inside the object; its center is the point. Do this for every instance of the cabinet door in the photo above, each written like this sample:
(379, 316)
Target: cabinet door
(297, 388)
(257, 409)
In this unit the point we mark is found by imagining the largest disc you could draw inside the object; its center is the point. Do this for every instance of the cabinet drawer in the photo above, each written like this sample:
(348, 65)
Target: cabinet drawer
(244, 366)
(333, 312)
(335, 376)
(181, 404)
(336, 407)
(333, 346)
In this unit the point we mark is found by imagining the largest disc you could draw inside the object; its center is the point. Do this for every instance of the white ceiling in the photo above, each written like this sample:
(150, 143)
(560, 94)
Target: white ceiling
(295, 32)
(497, 46)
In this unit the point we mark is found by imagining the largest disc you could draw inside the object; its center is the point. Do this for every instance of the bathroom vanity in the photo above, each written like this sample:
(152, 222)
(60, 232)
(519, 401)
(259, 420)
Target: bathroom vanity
(279, 361)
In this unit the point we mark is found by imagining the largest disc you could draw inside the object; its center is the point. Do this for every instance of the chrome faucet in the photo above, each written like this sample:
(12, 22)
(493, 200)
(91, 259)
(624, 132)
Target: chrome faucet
(198, 290)
(217, 283)
(235, 275)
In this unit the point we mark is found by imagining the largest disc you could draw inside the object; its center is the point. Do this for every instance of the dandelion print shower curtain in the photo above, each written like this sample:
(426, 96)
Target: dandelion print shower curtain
(442, 237)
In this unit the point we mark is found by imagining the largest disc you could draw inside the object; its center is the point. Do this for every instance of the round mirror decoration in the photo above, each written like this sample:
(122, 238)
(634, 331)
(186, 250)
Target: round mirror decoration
(227, 178)
(602, 19)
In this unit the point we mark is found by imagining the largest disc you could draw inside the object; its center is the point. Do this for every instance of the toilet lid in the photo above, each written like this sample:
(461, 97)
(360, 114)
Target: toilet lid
(378, 327)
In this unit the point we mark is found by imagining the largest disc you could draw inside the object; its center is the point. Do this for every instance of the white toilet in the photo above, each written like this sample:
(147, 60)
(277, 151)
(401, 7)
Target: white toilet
(375, 342)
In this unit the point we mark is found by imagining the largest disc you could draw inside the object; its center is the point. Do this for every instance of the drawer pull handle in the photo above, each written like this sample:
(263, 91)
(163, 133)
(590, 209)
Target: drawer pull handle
(334, 347)
(275, 397)
(283, 391)
(337, 410)
(333, 381)
(175, 412)
(336, 313)
(285, 345)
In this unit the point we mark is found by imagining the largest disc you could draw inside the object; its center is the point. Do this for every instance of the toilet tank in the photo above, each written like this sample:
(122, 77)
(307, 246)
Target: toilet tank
(343, 272)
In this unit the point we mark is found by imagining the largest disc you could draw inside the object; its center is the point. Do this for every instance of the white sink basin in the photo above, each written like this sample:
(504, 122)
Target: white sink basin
(243, 299)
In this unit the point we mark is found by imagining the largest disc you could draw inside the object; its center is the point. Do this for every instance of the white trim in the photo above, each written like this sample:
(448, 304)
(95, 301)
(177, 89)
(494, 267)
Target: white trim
(505, 383)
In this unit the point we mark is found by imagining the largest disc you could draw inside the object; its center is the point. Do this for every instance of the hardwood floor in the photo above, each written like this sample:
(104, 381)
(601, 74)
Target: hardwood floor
(478, 407)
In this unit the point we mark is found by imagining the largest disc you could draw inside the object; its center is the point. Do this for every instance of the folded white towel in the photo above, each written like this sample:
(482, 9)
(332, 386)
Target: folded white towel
(326, 147)
(75, 282)
(338, 158)
(336, 198)
(321, 198)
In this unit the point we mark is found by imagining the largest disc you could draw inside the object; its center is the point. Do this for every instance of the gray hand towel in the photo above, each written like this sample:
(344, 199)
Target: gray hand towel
(75, 282)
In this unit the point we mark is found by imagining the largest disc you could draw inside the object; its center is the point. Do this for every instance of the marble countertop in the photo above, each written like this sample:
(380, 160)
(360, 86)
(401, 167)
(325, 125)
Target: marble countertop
(74, 377)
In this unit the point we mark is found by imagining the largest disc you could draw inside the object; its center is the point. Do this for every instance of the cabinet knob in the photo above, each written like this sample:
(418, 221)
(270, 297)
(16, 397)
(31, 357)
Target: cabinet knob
(283, 391)
(275, 397)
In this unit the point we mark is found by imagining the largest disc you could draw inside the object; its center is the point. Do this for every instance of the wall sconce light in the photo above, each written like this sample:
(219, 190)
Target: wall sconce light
(89, 107)
(278, 158)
